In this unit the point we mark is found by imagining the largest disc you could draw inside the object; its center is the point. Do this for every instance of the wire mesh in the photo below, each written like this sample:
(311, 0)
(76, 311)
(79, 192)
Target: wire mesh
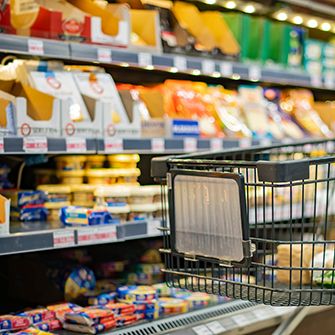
(290, 223)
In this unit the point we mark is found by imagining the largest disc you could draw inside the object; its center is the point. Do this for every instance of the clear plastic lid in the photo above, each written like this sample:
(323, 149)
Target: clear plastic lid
(112, 191)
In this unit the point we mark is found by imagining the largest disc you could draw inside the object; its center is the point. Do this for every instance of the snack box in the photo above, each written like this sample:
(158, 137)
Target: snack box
(14, 322)
(39, 315)
(88, 316)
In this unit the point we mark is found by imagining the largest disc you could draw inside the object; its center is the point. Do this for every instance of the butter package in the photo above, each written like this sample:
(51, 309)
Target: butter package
(39, 315)
(24, 198)
(102, 299)
(14, 322)
(50, 325)
(89, 316)
(104, 324)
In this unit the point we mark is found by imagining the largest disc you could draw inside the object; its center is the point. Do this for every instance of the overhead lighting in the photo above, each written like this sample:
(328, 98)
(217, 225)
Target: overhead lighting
(249, 9)
(312, 23)
(210, 2)
(230, 4)
(282, 16)
(325, 26)
(297, 20)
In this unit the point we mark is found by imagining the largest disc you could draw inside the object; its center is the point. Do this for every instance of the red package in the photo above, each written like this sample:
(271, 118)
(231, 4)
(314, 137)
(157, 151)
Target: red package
(14, 322)
(89, 316)
(125, 320)
(49, 325)
(39, 315)
(121, 308)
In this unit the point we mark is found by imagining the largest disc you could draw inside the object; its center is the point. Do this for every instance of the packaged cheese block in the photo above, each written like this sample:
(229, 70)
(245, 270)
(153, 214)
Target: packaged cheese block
(295, 256)
(13, 322)
(104, 324)
(89, 316)
(23, 14)
(39, 315)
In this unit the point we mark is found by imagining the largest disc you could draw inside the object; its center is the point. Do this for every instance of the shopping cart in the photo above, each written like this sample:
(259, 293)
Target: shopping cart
(256, 224)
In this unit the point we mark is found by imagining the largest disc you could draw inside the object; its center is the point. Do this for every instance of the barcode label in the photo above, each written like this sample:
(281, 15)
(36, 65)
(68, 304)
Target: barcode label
(104, 55)
(202, 330)
(226, 69)
(35, 144)
(180, 63)
(241, 320)
(157, 145)
(76, 145)
(216, 144)
(245, 142)
(215, 327)
(190, 144)
(208, 66)
(144, 59)
(2, 145)
(35, 47)
(255, 72)
(63, 238)
(97, 235)
(152, 227)
(113, 145)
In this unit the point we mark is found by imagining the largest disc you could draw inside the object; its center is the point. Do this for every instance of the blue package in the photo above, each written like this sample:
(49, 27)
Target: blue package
(30, 214)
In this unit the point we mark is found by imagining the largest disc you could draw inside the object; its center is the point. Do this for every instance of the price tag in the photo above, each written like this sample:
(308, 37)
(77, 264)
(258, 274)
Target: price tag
(241, 320)
(245, 142)
(216, 144)
(208, 66)
(265, 141)
(316, 80)
(202, 330)
(180, 63)
(97, 235)
(63, 238)
(152, 227)
(76, 144)
(255, 73)
(113, 145)
(35, 47)
(144, 59)
(329, 80)
(104, 55)
(215, 327)
(2, 145)
(35, 144)
(157, 145)
(261, 314)
(190, 144)
(226, 69)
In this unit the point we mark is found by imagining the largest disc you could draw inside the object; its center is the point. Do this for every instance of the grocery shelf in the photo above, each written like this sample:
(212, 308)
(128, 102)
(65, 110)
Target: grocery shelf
(16, 145)
(28, 237)
(166, 62)
(232, 317)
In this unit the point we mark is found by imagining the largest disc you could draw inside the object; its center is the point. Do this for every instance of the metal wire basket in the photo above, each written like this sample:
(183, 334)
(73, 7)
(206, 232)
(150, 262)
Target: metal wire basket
(254, 224)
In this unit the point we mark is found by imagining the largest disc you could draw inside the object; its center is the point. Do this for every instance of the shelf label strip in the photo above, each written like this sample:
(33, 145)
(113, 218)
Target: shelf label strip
(63, 238)
(35, 144)
(76, 144)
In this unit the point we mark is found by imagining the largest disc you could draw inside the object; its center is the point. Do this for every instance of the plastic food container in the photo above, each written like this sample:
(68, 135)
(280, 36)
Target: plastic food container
(119, 213)
(101, 176)
(127, 176)
(142, 212)
(56, 194)
(95, 161)
(143, 194)
(83, 195)
(54, 209)
(123, 161)
(112, 196)
(70, 163)
(71, 177)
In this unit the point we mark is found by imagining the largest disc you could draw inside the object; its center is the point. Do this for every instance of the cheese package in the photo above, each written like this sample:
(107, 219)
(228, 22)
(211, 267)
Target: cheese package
(14, 322)
(104, 324)
(39, 315)
(62, 85)
(50, 325)
(89, 316)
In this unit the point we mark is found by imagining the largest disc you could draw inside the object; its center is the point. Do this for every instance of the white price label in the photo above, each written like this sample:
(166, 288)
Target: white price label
(265, 141)
(113, 145)
(208, 66)
(216, 144)
(190, 144)
(63, 238)
(157, 145)
(202, 330)
(241, 320)
(152, 227)
(329, 80)
(35, 47)
(2, 145)
(96, 235)
(226, 69)
(180, 63)
(104, 55)
(255, 73)
(215, 327)
(35, 144)
(261, 314)
(76, 144)
(245, 142)
(316, 80)
(144, 59)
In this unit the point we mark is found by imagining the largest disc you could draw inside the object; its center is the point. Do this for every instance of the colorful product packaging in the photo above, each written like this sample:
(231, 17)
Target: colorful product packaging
(121, 308)
(89, 316)
(104, 324)
(14, 322)
(50, 325)
(39, 315)
(102, 299)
